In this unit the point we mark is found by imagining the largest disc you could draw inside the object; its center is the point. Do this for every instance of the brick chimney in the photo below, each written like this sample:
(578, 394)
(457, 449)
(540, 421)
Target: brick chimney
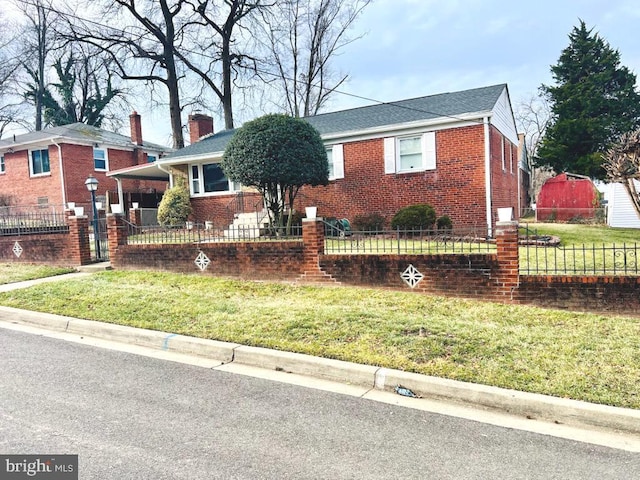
(136, 128)
(199, 126)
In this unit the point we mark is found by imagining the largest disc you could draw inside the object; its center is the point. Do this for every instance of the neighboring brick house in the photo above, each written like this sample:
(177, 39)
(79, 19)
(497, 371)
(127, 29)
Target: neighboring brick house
(456, 151)
(49, 167)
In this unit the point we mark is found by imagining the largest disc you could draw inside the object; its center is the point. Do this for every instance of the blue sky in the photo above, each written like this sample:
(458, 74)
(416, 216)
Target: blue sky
(413, 48)
(420, 47)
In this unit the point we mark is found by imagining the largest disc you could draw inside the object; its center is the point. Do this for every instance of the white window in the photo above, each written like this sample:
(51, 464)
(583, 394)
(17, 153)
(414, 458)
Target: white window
(412, 153)
(2, 166)
(335, 157)
(502, 153)
(100, 159)
(39, 162)
(209, 178)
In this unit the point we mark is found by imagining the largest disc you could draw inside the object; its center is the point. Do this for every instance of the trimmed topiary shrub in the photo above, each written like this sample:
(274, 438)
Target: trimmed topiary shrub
(414, 217)
(444, 223)
(175, 206)
(371, 223)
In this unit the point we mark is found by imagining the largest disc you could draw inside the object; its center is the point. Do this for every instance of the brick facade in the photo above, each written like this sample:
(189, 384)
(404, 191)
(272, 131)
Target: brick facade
(455, 188)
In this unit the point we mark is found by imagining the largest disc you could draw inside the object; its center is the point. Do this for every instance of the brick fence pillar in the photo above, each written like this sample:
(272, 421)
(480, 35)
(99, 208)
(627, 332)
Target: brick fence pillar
(508, 275)
(135, 216)
(117, 233)
(79, 246)
(313, 240)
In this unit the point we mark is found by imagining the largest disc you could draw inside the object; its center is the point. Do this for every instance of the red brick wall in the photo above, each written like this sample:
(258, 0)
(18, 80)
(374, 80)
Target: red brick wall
(504, 182)
(218, 208)
(620, 295)
(251, 260)
(455, 188)
(458, 275)
(16, 180)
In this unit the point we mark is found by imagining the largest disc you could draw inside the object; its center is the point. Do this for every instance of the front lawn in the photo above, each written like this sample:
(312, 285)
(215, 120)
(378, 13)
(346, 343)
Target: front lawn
(582, 356)
(19, 272)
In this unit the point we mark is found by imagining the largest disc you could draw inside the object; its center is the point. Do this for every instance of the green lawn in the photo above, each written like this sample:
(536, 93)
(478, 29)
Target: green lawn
(578, 234)
(14, 272)
(575, 355)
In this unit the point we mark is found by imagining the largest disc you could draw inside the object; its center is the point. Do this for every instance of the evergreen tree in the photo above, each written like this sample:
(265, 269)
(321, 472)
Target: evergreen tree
(593, 103)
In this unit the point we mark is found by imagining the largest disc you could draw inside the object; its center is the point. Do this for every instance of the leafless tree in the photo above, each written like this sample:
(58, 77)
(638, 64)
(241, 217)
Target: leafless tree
(38, 41)
(301, 38)
(622, 164)
(533, 116)
(227, 56)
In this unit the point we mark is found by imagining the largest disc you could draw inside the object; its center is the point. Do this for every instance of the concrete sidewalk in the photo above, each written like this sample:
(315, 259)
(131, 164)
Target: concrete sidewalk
(524, 405)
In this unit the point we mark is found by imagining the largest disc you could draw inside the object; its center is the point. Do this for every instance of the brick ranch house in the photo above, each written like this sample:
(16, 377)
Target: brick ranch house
(456, 151)
(48, 168)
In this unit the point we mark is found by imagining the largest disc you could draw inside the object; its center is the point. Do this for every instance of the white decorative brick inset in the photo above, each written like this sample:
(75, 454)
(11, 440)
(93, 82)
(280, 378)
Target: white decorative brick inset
(202, 261)
(17, 249)
(412, 276)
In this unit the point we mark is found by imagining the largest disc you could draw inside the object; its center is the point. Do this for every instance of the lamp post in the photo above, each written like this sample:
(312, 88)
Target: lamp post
(92, 185)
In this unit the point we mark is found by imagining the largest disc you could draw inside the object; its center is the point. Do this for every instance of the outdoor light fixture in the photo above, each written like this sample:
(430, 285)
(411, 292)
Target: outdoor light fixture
(92, 185)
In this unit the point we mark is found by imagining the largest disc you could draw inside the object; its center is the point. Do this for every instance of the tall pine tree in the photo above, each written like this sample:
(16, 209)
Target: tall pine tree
(593, 103)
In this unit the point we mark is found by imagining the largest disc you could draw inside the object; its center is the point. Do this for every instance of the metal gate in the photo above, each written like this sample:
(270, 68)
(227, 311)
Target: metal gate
(99, 242)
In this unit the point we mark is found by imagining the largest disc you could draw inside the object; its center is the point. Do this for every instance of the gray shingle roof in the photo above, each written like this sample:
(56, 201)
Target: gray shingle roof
(386, 114)
(81, 133)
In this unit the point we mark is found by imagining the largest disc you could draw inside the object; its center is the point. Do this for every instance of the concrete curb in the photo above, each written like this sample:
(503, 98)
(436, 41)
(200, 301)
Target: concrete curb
(529, 405)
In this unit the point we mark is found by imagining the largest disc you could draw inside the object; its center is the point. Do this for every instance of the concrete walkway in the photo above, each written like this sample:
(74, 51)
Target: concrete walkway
(525, 406)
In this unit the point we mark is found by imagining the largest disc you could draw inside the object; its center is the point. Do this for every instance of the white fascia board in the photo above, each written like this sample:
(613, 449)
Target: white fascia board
(440, 123)
(212, 157)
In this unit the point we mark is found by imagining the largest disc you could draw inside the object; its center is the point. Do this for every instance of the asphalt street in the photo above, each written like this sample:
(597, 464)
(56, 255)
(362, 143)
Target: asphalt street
(133, 417)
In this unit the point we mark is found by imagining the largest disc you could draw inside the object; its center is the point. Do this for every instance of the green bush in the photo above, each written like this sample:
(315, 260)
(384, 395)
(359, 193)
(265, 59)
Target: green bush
(373, 222)
(175, 206)
(444, 223)
(414, 217)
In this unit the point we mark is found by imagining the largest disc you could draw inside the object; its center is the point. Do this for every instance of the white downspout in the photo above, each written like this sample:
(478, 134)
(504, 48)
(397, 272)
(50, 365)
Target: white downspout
(487, 173)
(168, 172)
(62, 185)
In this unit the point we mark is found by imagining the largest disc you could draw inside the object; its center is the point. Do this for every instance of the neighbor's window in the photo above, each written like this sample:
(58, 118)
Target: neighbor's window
(209, 178)
(151, 158)
(2, 167)
(39, 162)
(99, 159)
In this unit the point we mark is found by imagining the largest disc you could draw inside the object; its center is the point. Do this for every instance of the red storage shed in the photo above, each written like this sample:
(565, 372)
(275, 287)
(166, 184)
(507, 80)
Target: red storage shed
(567, 196)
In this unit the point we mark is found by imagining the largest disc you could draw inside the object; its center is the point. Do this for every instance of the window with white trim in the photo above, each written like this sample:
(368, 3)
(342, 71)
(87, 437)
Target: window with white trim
(335, 158)
(39, 162)
(2, 165)
(411, 153)
(209, 178)
(502, 153)
(100, 159)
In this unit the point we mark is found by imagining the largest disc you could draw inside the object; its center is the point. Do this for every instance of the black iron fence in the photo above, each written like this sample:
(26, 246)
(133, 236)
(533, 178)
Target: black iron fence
(192, 232)
(32, 223)
(613, 259)
(412, 241)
